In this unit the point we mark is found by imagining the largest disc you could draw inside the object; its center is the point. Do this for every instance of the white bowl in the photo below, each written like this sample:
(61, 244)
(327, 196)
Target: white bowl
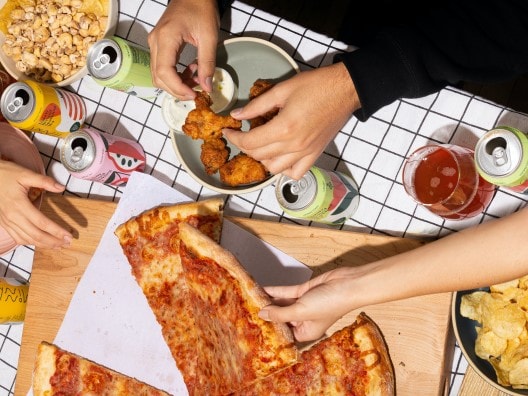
(246, 59)
(9, 64)
(19, 148)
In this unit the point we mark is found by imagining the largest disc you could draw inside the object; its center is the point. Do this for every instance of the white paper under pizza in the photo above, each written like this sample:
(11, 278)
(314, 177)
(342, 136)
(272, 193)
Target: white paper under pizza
(109, 320)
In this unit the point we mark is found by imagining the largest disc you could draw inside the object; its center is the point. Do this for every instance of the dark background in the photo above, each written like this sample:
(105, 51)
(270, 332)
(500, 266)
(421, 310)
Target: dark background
(326, 16)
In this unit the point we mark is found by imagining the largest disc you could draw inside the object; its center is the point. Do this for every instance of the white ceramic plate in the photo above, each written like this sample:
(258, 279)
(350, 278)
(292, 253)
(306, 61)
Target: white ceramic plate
(246, 59)
(18, 147)
(9, 64)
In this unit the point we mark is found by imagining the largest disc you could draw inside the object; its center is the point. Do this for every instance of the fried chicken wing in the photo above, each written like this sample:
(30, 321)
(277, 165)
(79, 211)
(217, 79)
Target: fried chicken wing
(214, 154)
(242, 169)
(258, 88)
(203, 123)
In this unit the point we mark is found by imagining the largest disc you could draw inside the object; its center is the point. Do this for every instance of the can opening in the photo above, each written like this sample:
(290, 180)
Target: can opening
(289, 192)
(111, 53)
(494, 143)
(78, 146)
(23, 95)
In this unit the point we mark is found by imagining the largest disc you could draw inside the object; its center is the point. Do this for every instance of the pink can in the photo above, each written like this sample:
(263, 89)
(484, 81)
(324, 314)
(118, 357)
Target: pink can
(97, 156)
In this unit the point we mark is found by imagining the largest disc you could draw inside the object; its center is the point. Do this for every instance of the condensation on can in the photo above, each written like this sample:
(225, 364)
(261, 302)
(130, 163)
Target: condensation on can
(101, 157)
(40, 108)
(118, 64)
(320, 195)
(13, 300)
(501, 158)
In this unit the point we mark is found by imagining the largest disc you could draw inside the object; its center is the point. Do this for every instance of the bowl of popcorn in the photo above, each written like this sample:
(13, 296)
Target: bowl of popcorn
(48, 40)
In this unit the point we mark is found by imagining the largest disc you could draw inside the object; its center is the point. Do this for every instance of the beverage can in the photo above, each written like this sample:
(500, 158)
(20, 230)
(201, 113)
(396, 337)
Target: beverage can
(43, 109)
(501, 158)
(320, 195)
(13, 299)
(118, 64)
(98, 156)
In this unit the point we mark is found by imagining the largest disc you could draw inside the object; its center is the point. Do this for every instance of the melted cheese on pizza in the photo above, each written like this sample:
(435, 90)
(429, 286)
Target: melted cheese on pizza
(58, 372)
(151, 244)
(352, 361)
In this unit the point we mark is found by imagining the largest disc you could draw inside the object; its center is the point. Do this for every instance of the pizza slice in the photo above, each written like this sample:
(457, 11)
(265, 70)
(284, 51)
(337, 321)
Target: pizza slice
(151, 244)
(59, 372)
(352, 361)
(240, 347)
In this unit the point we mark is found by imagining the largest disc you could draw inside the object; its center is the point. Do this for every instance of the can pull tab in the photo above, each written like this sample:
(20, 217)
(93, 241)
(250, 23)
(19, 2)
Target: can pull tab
(15, 105)
(77, 154)
(500, 157)
(101, 62)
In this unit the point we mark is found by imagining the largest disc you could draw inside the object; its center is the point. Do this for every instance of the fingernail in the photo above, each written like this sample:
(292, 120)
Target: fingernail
(235, 112)
(58, 185)
(67, 240)
(264, 314)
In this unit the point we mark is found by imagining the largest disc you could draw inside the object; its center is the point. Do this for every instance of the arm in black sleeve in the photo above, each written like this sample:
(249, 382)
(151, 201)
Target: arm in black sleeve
(223, 5)
(466, 40)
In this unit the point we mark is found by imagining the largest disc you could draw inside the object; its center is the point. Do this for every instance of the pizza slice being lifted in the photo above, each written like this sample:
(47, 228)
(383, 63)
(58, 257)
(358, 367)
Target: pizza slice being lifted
(240, 347)
(59, 372)
(151, 243)
(218, 342)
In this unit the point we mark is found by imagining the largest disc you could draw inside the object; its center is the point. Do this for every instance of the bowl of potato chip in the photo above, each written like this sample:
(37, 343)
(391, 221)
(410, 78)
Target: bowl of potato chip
(48, 40)
(491, 329)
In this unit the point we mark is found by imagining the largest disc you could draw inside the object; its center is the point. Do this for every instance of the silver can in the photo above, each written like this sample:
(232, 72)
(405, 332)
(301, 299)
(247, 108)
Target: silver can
(324, 196)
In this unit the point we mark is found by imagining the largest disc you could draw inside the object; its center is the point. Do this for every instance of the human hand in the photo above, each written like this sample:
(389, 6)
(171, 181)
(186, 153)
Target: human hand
(19, 217)
(184, 21)
(312, 307)
(314, 105)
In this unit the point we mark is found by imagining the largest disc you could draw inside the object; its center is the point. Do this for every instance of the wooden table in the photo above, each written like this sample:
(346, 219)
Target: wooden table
(417, 330)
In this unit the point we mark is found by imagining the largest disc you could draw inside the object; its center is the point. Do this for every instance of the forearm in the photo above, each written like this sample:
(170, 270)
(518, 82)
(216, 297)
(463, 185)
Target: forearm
(490, 253)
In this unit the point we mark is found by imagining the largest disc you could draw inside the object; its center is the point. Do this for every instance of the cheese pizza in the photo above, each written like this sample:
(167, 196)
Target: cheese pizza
(59, 372)
(151, 244)
(352, 361)
(241, 347)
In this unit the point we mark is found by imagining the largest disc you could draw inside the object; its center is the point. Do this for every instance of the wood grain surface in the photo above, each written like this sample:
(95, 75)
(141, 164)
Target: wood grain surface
(417, 330)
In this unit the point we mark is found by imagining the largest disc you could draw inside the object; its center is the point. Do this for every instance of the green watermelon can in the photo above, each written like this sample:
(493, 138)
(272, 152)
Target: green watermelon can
(323, 196)
(121, 65)
(501, 158)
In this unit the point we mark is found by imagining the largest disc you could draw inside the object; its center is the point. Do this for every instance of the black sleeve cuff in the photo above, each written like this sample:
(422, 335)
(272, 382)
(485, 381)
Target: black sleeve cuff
(387, 69)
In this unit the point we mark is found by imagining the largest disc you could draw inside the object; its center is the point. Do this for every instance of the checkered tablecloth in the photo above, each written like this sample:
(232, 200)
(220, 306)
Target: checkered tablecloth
(373, 151)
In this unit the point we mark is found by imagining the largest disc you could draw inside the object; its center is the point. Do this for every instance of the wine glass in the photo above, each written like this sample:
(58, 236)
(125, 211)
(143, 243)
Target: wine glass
(443, 178)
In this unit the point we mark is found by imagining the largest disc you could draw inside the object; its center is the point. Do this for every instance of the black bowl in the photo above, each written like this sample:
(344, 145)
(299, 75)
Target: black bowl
(466, 335)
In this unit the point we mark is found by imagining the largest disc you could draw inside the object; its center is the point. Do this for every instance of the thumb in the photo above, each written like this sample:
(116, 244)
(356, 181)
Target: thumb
(256, 107)
(274, 313)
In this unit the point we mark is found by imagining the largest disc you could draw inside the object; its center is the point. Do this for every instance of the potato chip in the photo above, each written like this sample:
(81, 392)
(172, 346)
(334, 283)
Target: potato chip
(500, 287)
(489, 344)
(507, 322)
(518, 374)
(470, 305)
(502, 338)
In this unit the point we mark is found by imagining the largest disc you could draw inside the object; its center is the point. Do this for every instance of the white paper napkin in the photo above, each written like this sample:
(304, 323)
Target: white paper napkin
(109, 320)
